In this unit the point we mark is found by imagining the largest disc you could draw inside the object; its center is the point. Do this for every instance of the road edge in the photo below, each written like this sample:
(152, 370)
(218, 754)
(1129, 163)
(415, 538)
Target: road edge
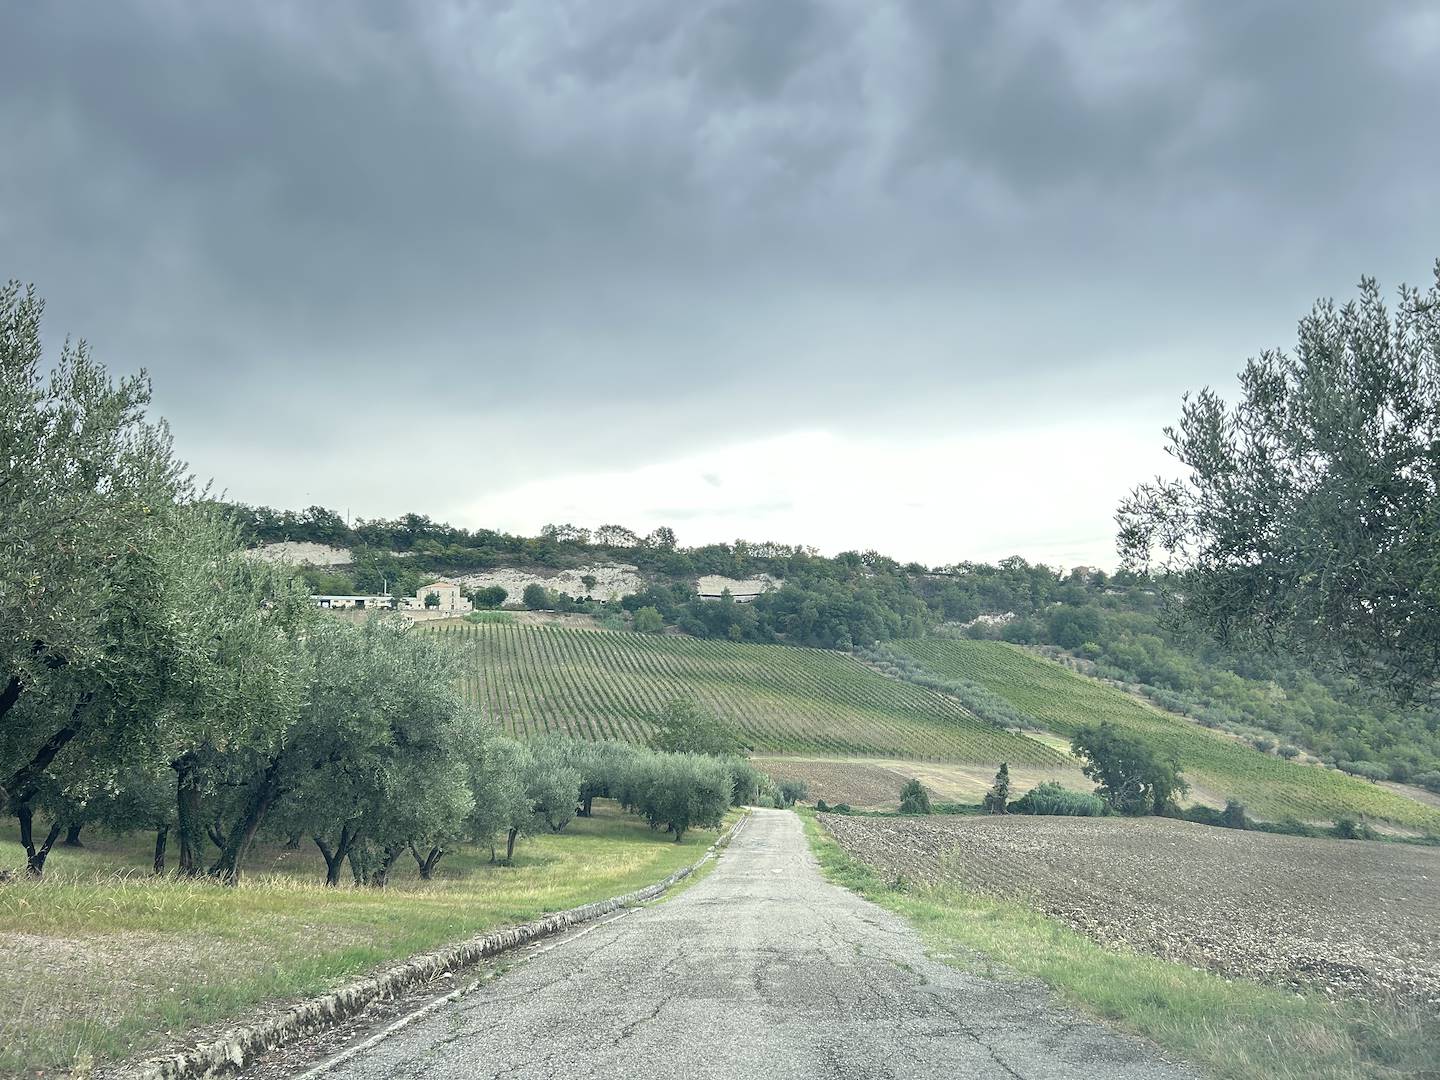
(232, 1051)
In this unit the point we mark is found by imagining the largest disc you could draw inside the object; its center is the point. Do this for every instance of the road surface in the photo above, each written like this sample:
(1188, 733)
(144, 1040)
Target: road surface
(762, 970)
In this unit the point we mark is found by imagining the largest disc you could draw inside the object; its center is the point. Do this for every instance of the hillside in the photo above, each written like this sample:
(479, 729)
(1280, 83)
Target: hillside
(856, 599)
(1061, 701)
(604, 684)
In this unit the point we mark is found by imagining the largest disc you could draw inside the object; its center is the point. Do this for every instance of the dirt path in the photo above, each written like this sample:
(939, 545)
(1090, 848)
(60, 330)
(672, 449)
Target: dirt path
(761, 969)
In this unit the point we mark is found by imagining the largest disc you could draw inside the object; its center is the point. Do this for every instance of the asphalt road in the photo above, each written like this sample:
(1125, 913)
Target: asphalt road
(761, 970)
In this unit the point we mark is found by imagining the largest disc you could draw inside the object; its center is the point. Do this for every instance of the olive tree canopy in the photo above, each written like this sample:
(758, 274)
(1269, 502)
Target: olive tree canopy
(1309, 517)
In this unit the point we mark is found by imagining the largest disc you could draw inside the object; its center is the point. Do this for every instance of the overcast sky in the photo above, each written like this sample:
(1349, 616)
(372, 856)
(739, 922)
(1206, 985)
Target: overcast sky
(923, 277)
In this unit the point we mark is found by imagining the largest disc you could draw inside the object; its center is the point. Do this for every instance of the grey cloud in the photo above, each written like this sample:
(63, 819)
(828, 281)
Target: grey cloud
(691, 223)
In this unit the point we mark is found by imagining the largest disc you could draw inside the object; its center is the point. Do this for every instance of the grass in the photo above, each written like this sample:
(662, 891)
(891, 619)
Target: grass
(104, 961)
(601, 684)
(1234, 1029)
(1062, 700)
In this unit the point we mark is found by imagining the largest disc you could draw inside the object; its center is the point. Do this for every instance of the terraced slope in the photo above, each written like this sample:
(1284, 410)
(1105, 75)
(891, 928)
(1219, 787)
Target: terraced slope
(601, 684)
(1062, 700)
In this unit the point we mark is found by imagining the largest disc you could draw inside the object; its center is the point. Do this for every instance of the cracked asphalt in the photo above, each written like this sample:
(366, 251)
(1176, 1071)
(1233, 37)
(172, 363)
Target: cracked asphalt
(761, 969)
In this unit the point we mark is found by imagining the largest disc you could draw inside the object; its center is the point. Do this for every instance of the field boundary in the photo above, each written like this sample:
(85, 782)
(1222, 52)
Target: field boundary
(232, 1051)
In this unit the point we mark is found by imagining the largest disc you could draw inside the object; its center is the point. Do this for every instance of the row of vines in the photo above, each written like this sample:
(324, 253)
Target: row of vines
(598, 684)
(1062, 701)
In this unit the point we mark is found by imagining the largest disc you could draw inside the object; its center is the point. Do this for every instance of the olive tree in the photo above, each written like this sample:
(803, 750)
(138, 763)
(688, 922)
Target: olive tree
(85, 482)
(130, 622)
(1307, 518)
(375, 761)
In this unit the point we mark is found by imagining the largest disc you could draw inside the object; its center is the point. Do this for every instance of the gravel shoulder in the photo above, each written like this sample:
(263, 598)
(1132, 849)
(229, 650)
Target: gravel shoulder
(762, 968)
(1353, 917)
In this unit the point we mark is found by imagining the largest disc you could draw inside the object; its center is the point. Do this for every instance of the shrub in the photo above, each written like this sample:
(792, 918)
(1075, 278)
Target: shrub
(1233, 816)
(1264, 744)
(1351, 828)
(1052, 799)
(789, 792)
(914, 799)
(1430, 781)
(648, 620)
(1289, 751)
(822, 806)
(536, 597)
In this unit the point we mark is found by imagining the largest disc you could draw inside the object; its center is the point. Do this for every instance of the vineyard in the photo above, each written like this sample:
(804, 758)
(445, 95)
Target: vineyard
(599, 684)
(1062, 701)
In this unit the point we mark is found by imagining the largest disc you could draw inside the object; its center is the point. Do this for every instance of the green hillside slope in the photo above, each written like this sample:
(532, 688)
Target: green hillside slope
(1062, 701)
(601, 684)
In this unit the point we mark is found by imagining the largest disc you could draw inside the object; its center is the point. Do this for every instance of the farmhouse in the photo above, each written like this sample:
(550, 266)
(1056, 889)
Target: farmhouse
(366, 602)
(446, 592)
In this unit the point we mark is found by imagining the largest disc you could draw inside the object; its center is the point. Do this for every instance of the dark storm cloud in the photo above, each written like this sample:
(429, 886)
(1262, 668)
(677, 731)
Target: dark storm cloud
(584, 233)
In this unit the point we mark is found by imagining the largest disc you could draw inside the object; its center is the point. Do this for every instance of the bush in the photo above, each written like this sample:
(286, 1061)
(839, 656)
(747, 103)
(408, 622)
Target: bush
(789, 792)
(536, 597)
(1233, 816)
(1350, 828)
(1263, 744)
(1051, 799)
(1430, 781)
(821, 806)
(914, 799)
(1289, 751)
(648, 620)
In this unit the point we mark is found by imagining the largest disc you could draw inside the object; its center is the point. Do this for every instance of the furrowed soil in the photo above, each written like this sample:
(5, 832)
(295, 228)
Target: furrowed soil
(1349, 917)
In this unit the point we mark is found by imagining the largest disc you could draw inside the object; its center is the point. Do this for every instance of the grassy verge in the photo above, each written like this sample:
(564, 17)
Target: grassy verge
(104, 962)
(1231, 1028)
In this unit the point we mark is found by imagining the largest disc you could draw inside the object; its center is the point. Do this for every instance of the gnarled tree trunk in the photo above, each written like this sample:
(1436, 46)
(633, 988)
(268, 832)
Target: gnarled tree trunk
(35, 857)
(187, 815)
(335, 859)
(72, 836)
(426, 864)
(242, 835)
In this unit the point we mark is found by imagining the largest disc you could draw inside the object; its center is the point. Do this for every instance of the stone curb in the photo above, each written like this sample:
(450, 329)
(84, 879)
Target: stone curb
(232, 1051)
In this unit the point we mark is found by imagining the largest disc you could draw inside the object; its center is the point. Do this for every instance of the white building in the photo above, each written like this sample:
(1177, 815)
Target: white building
(448, 594)
(384, 603)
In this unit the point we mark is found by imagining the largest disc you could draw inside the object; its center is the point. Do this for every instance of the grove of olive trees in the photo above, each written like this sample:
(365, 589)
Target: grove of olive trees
(154, 677)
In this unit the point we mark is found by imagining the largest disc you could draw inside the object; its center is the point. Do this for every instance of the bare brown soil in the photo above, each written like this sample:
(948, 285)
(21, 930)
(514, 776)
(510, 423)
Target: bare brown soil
(875, 783)
(1352, 917)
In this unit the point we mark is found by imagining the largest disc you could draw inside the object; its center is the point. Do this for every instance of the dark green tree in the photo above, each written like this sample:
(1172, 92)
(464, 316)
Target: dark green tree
(684, 727)
(1308, 518)
(914, 799)
(998, 797)
(1129, 774)
(492, 596)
